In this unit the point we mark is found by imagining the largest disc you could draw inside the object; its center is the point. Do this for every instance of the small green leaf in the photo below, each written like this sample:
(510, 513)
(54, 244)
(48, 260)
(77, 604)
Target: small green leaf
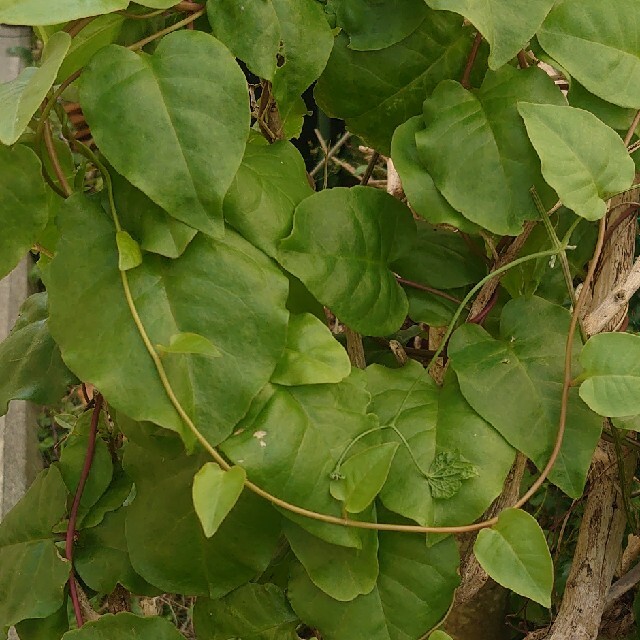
(582, 158)
(363, 476)
(515, 554)
(129, 253)
(125, 626)
(190, 343)
(440, 635)
(446, 474)
(215, 492)
(38, 12)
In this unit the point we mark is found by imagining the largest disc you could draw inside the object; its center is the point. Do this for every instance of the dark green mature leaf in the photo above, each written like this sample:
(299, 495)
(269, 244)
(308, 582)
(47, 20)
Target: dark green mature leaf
(270, 184)
(515, 383)
(111, 500)
(252, 612)
(53, 626)
(125, 626)
(413, 592)
(23, 204)
(291, 440)
(38, 12)
(485, 129)
(183, 155)
(377, 24)
(174, 554)
(435, 422)
(619, 118)
(375, 91)
(432, 309)
(584, 160)
(598, 44)
(515, 554)
(506, 25)
(31, 367)
(27, 549)
(225, 291)
(611, 364)
(20, 98)
(341, 246)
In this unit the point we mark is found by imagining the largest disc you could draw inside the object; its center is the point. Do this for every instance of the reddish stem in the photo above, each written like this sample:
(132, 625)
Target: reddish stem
(73, 516)
(466, 76)
(428, 289)
(482, 316)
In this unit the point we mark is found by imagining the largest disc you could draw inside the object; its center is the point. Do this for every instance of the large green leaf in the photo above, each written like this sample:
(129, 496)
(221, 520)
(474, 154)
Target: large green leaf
(506, 25)
(344, 260)
(125, 626)
(174, 554)
(183, 155)
(430, 308)
(514, 553)
(38, 12)
(23, 204)
(515, 383)
(375, 91)
(53, 626)
(32, 573)
(584, 160)
(291, 440)
(226, 291)
(20, 98)
(434, 421)
(413, 593)
(599, 44)
(252, 612)
(611, 364)
(619, 118)
(31, 367)
(270, 184)
(500, 166)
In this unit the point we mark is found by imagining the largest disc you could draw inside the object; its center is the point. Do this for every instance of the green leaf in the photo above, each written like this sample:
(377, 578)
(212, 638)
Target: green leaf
(506, 25)
(515, 383)
(312, 355)
(157, 143)
(619, 118)
(514, 553)
(53, 626)
(375, 91)
(215, 492)
(432, 309)
(494, 188)
(125, 626)
(597, 43)
(271, 182)
(31, 367)
(192, 343)
(179, 558)
(440, 635)
(446, 474)
(171, 296)
(129, 254)
(612, 370)
(252, 612)
(20, 98)
(27, 549)
(112, 499)
(290, 442)
(349, 271)
(38, 12)
(363, 475)
(23, 204)
(631, 423)
(582, 158)
(414, 591)
(372, 24)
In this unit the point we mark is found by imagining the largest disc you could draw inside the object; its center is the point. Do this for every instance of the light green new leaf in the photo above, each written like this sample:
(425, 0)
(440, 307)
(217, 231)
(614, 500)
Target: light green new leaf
(252, 612)
(341, 246)
(271, 182)
(598, 43)
(515, 383)
(31, 367)
(312, 355)
(484, 127)
(183, 155)
(38, 12)
(506, 25)
(215, 492)
(129, 253)
(582, 158)
(362, 476)
(20, 98)
(440, 635)
(125, 626)
(377, 24)
(178, 558)
(226, 291)
(414, 591)
(193, 343)
(23, 204)
(375, 91)
(515, 554)
(611, 364)
(27, 549)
